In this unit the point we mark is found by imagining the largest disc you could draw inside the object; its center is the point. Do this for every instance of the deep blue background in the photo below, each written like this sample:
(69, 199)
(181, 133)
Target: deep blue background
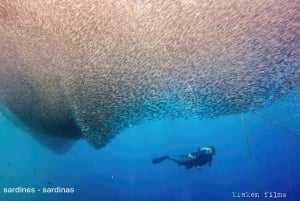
(123, 170)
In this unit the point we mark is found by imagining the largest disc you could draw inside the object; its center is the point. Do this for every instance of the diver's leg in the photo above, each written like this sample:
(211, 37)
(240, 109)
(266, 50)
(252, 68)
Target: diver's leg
(180, 161)
(159, 159)
(162, 158)
(176, 160)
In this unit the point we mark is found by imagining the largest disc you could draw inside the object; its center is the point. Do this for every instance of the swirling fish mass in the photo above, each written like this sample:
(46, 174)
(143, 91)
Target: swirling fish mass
(90, 69)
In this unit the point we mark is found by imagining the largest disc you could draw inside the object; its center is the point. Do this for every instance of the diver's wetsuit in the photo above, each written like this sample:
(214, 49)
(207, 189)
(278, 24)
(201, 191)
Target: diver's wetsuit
(195, 159)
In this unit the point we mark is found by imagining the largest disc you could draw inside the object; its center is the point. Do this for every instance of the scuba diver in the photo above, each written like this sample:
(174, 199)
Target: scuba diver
(197, 159)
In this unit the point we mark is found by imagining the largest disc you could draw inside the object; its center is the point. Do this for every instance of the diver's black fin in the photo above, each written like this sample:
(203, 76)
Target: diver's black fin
(159, 159)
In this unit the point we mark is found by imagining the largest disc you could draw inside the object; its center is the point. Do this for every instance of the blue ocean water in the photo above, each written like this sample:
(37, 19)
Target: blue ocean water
(123, 170)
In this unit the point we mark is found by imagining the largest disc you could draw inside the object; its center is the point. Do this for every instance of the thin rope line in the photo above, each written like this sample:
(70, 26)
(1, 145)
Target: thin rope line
(277, 123)
(287, 155)
(250, 153)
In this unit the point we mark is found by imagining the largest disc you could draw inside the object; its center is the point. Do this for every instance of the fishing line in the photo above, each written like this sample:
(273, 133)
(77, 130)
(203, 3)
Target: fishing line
(288, 130)
(277, 123)
(250, 153)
